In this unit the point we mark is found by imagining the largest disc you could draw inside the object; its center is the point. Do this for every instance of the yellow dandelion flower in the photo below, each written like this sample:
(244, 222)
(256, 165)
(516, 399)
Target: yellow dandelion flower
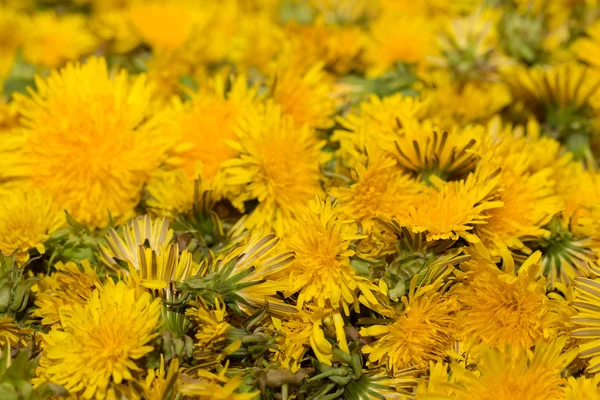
(561, 97)
(169, 193)
(279, 164)
(100, 341)
(304, 93)
(380, 189)
(529, 204)
(52, 39)
(27, 219)
(468, 47)
(12, 334)
(424, 151)
(420, 333)
(397, 37)
(124, 244)
(70, 285)
(208, 121)
(157, 269)
(587, 304)
(503, 374)
(247, 276)
(211, 332)
(306, 330)
(449, 210)
(89, 142)
(321, 272)
(500, 308)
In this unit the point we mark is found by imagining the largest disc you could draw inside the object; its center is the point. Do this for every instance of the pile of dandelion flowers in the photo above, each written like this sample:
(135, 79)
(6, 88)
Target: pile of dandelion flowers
(88, 140)
(278, 164)
(321, 273)
(100, 342)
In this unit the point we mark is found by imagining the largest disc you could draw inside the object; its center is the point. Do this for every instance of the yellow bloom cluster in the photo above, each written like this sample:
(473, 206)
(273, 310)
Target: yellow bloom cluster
(300, 199)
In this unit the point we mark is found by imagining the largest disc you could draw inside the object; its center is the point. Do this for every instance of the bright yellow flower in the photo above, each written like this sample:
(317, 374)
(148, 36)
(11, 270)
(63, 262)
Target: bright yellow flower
(380, 189)
(211, 329)
(305, 330)
(249, 274)
(321, 272)
(468, 47)
(158, 268)
(420, 333)
(529, 204)
(89, 140)
(398, 38)
(27, 219)
(501, 308)
(503, 374)
(141, 231)
(424, 151)
(563, 97)
(450, 210)
(52, 39)
(101, 341)
(70, 285)
(304, 93)
(279, 164)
